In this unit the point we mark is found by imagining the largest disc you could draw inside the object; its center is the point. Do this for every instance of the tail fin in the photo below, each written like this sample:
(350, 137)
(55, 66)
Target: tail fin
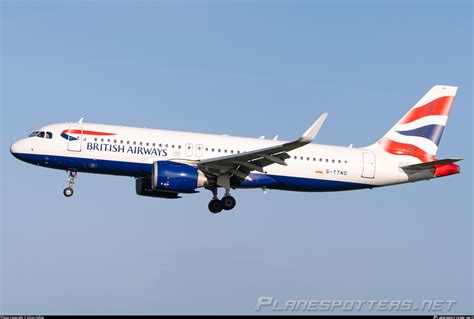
(418, 133)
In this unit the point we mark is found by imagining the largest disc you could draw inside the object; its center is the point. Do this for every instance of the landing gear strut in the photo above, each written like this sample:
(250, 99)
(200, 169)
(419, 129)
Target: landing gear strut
(68, 191)
(226, 203)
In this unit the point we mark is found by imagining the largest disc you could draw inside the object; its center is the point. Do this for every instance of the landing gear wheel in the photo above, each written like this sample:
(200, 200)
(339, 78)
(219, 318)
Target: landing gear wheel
(228, 202)
(215, 206)
(68, 192)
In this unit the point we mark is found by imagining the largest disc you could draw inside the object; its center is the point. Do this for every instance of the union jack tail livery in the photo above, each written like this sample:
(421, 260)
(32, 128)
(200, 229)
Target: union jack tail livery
(418, 133)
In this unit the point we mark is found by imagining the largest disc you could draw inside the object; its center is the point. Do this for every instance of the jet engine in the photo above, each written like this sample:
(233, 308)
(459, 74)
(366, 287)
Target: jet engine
(176, 177)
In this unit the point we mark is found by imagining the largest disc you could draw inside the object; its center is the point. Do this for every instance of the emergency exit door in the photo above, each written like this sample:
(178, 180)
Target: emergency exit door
(189, 149)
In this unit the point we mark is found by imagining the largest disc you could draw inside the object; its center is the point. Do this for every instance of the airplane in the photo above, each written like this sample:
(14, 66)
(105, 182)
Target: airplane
(167, 164)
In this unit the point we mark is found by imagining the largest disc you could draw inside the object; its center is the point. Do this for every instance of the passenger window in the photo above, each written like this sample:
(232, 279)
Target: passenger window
(40, 134)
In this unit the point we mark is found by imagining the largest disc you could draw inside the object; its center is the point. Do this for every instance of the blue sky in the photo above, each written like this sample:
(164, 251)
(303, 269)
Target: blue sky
(241, 68)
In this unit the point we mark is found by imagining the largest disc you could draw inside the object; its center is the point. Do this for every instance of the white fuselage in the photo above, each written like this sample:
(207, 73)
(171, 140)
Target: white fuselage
(132, 151)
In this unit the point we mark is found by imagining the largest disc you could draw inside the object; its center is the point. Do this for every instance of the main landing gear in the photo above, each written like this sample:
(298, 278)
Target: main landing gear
(68, 191)
(216, 205)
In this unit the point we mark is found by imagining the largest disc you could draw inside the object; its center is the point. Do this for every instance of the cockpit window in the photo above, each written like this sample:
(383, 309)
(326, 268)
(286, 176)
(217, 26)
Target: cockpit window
(42, 134)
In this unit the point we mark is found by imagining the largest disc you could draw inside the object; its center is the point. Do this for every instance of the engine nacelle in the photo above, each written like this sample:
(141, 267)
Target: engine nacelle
(143, 188)
(176, 177)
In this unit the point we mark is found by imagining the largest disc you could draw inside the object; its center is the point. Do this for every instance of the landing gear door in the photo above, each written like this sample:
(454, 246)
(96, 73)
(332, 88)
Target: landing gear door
(368, 170)
(74, 138)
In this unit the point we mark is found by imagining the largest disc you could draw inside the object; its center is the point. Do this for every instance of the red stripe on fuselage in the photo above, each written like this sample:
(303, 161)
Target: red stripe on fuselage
(440, 106)
(396, 148)
(87, 132)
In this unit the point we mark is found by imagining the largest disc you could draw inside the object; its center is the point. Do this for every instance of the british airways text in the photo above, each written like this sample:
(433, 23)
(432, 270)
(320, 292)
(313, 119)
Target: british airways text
(126, 149)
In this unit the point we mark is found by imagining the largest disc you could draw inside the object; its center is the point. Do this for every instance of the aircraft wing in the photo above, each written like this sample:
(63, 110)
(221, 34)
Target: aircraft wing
(242, 164)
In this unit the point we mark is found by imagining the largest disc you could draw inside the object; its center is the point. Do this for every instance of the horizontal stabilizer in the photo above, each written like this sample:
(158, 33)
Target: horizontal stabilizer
(431, 164)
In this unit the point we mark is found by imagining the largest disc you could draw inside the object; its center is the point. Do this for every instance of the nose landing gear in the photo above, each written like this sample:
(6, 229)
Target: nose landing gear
(68, 191)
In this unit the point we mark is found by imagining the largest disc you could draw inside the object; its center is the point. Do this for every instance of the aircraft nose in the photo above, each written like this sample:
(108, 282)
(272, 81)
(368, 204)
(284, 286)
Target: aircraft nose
(22, 150)
(15, 149)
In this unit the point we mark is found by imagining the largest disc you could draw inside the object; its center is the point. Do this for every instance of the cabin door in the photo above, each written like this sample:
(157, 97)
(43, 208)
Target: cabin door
(368, 170)
(74, 138)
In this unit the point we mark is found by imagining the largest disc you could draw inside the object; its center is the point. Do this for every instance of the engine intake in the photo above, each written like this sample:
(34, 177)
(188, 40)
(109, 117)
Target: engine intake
(176, 177)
